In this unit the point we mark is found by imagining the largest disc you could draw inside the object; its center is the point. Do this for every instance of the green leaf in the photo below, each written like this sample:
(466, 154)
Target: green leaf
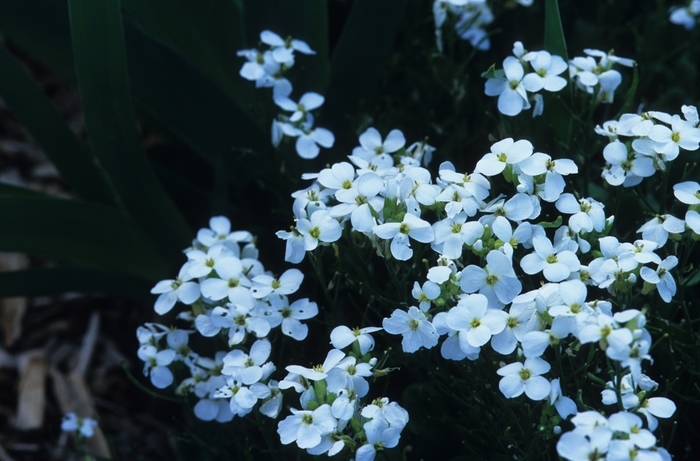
(631, 93)
(554, 224)
(195, 109)
(78, 232)
(9, 189)
(206, 32)
(556, 113)
(164, 83)
(38, 115)
(40, 27)
(57, 280)
(554, 40)
(492, 72)
(359, 59)
(100, 60)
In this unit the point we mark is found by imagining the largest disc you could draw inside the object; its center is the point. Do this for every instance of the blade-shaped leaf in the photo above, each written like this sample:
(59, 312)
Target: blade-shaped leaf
(206, 32)
(68, 153)
(360, 57)
(100, 60)
(79, 232)
(556, 113)
(57, 280)
(163, 81)
(194, 108)
(40, 27)
(9, 189)
(554, 40)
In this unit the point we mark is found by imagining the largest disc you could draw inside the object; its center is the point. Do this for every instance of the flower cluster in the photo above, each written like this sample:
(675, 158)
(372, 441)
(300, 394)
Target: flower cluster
(616, 438)
(332, 416)
(231, 296)
(686, 16)
(598, 76)
(472, 17)
(484, 249)
(641, 144)
(511, 84)
(267, 69)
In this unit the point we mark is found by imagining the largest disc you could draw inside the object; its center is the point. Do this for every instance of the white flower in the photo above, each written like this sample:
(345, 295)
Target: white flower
(624, 167)
(360, 201)
(320, 227)
(687, 192)
(417, 331)
(308, 138)
(685, 16)
(497, 282)
(682, 134)
(288, 283)
(242, 398)
(157, 363)
(512, 96)
(631, 425)
(309, 101)
(411, 226)
(658, 228)
(171, 290)
(579, 446)
(565, 406)
(547, 69)
(451, 234)
(220, 232)
(662, 278)
(505, 152)
(247, 367)
(231, 283)
(654, 407)
(556, 266)
(301, 309)
(295, 248)
(554, 170)
(519, 378)
(319, 372)
(371, 146)
(425, 294)
(307, 427)
(474, 321)
(535, 342)
(84, 426)
(342, 336)
(588, 214)
(283, 50)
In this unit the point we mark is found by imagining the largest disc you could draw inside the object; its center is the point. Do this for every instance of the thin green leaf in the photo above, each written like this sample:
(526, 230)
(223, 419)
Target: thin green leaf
(360, 57)
(57, 280)
(555, 112)
(194, 108)
(206, 32)
(78, 232)
(100, 59)
(9, 189)
(554, 40)
(40, 27)
(38, 115)
(164, 82)
(631, 93)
